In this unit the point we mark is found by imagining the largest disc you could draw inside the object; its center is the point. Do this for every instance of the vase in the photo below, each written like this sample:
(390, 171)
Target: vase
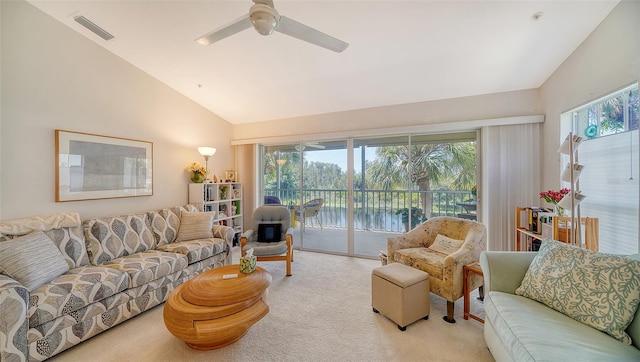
(197, 177)
(559, 210)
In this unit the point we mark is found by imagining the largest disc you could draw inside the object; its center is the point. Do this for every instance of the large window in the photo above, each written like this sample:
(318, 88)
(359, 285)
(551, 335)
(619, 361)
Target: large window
(371, 188)
(610, 178)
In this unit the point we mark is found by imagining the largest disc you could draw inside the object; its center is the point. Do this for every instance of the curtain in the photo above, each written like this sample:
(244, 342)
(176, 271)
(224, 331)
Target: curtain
(510, 173)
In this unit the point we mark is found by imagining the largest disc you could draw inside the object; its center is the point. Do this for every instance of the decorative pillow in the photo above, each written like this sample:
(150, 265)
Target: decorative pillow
(195, 225)
(446, 245)
(33, 260)
(597, 289)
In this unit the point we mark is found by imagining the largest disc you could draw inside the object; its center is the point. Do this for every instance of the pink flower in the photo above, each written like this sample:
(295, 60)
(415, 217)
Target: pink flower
(553, 196)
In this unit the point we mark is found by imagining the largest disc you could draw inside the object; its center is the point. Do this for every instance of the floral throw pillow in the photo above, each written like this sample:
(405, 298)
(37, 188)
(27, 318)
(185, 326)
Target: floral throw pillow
(446, 245)
(597, 289)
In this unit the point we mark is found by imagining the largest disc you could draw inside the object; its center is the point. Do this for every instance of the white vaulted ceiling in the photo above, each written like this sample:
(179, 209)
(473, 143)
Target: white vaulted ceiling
(400, 51)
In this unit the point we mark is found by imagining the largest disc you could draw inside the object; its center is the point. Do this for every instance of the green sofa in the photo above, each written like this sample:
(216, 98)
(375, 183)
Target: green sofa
(521, 329)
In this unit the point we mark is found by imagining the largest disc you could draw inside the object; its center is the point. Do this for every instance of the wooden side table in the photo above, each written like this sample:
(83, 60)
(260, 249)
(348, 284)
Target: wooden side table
(467, 272)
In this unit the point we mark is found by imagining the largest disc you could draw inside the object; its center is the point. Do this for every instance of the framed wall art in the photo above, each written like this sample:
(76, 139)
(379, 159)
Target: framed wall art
(90, 167)
(230, 176)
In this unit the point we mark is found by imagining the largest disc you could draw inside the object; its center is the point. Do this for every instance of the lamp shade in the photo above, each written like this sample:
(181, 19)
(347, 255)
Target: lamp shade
(207, 151)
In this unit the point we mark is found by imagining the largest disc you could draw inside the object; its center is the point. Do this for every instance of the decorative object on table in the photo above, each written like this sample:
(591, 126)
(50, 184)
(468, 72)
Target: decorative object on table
(416, 217)
(248, 262)
(90, 167)
(197, 172)
(554, 197)
(206, 152)
(230, 176)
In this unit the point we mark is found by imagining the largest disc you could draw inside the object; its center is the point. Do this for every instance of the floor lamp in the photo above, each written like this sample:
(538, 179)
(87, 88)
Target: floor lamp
(206, 152)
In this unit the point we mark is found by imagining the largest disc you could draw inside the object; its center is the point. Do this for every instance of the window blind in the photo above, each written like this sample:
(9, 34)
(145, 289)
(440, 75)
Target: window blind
(610, 182)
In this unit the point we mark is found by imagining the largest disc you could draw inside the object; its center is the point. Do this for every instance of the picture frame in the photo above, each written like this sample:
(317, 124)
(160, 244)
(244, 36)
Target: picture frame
(91, 167)
(230, 175)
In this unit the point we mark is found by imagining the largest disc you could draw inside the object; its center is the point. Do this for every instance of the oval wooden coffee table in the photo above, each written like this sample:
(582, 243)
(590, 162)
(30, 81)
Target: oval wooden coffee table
(209, 312)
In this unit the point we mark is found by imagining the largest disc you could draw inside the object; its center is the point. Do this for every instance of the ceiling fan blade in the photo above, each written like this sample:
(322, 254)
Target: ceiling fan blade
(303, 32)
(222, 32)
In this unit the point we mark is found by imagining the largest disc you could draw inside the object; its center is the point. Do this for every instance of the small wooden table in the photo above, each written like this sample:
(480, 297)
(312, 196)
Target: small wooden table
(467, 272)
(209, 312)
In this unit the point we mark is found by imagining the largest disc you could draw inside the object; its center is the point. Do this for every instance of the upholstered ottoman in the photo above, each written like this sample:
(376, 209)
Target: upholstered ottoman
(401, 293)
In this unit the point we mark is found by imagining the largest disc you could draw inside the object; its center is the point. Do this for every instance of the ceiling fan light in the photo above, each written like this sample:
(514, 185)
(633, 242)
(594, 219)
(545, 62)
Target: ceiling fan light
(263, 22)
(264, 18)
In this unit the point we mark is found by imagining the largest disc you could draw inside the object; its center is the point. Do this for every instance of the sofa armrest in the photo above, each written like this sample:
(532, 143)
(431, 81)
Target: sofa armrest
(226, 233)
(504, 270)
(223, 232)
(14, 304)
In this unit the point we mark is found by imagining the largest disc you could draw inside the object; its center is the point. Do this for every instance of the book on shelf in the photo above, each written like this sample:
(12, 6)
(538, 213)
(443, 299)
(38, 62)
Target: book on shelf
(532, 218)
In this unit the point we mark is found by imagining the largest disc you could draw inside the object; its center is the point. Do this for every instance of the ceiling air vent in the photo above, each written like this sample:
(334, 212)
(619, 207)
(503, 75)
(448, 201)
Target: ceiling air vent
(93, 27)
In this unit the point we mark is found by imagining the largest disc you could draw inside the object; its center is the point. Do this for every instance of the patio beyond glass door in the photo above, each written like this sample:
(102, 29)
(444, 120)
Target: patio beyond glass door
(381, 192)
(323, 217)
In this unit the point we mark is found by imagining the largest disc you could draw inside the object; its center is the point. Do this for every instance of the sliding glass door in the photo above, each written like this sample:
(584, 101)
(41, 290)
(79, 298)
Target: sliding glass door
(324, 222)
(380, 183)
(349, 196)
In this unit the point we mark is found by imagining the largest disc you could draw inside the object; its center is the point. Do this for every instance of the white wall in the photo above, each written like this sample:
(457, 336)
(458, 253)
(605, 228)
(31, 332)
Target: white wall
(55, 78)
(607, 60)
(498, 105)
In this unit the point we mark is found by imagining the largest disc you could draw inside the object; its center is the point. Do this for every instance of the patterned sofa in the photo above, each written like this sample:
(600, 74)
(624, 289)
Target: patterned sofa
(82, 278)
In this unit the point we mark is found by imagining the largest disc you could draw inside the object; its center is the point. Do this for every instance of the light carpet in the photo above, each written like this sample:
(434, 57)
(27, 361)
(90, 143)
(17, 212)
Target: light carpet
(321, 313)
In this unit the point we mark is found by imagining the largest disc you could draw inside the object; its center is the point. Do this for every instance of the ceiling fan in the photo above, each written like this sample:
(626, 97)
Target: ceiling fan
(265, 19)
(310, 145)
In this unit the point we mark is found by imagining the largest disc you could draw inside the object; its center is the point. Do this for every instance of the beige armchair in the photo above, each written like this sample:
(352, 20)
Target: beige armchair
(445, 271)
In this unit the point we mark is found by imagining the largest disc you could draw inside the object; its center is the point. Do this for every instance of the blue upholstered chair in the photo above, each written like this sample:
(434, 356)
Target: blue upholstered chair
(272, 200)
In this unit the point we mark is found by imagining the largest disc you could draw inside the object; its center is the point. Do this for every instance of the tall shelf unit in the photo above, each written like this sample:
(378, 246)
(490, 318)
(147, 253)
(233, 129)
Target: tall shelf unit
(224, 199)
(573, 229)
(571, 174)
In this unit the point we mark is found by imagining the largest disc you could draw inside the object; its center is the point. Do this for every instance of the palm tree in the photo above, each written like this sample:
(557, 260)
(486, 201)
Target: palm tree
(431, 164)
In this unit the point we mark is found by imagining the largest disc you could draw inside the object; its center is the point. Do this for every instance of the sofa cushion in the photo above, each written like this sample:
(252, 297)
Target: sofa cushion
(600, 290)
(531, 331)
(73, 291)
(114, 237)
(165, 223)
(424, 259)
(32, 260)
(148, 265)
(196, 250)
(446, 245)
(71, 243)
(195, 225)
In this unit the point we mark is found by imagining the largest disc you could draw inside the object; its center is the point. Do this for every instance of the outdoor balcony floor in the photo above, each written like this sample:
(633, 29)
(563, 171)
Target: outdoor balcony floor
(334, 240)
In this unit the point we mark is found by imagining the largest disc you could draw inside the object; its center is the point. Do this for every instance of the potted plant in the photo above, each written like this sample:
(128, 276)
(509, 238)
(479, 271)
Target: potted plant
(197, 172)
(416, 217)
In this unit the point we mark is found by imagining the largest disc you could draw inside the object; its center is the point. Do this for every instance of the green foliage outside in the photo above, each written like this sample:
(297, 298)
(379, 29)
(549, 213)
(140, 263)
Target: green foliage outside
(436, 167)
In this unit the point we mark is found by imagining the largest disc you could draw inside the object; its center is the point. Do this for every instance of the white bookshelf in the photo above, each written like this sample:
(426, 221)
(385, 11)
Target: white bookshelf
(225, 199)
